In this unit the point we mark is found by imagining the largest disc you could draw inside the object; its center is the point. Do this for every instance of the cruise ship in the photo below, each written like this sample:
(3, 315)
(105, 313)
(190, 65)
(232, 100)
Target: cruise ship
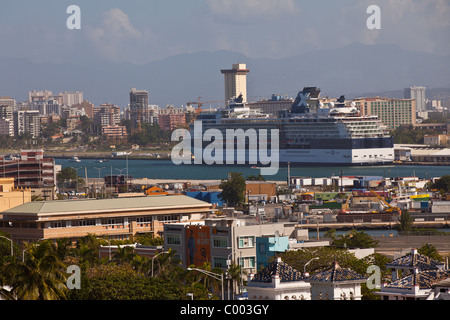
(315, 131)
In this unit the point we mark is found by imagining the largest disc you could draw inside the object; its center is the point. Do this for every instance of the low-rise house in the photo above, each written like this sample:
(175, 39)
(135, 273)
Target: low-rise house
(416, 277)
(336, 283)
(406, 264)
(415, 286)
(278, 281)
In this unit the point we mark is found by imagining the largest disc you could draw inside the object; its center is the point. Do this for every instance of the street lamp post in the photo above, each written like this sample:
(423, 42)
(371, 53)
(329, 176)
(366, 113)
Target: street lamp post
(211, 274)
(155, 257)
(120, 170)
(99, 170)
(12, 252)
(76, 176)
(304, 267)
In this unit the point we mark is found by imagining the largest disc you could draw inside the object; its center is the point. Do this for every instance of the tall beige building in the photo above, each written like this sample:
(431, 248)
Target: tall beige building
(236, 81)
(392, 112)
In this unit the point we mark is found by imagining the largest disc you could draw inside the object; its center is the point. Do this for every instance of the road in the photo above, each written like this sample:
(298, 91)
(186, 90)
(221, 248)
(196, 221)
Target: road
(392, 246)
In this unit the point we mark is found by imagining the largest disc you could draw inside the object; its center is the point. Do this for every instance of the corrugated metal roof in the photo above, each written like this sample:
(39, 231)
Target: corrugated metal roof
(97, 205)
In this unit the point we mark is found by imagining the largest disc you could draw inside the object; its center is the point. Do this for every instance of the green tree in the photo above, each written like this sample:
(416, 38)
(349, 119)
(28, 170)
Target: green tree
(406, 221)
(233, 189)
(234, 273)
(442, 184)
(355, 239)
(121, 282)
(166, 265)
(430, 251)
(197, 277)
(123, 255)
(40, 277)
(69, 174)
(252, 177)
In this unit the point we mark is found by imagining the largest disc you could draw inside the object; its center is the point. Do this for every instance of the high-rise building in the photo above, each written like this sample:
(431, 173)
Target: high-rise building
(107, 114)
(171, 121)
(392, 112)
(138, 106)
(87, 107)
(27, 121)
(7, 107)
(7, 127)
(71, 98)
(418, 94)
(39, 95)
(236, 81)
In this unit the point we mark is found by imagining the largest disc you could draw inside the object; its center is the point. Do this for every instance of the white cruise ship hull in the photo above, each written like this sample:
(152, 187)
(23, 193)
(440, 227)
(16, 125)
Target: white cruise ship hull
(302, 156)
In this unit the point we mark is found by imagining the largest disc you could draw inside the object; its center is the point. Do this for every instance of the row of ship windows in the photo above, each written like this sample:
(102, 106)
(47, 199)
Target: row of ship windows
(371, 156)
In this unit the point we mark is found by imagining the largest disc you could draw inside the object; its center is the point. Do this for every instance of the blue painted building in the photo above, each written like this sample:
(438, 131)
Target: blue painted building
(267, 247)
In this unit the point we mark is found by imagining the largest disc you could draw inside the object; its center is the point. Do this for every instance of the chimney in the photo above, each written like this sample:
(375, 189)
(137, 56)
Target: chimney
(275, 280)
(415, 283)
(413, 257)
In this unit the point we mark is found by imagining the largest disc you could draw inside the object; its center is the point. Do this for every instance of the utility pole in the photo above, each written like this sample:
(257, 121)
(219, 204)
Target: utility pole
(289, 175)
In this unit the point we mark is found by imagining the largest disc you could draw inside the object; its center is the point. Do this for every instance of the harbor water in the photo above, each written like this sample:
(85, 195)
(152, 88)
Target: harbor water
(165, 169)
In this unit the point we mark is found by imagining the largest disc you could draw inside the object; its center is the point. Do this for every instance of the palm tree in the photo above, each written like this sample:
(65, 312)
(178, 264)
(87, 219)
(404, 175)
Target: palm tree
(167, 265)
(87, 250)
(142, 264)
(40, 277)
(234, 272)
(61, 248)
(206, 280)
(123, 255)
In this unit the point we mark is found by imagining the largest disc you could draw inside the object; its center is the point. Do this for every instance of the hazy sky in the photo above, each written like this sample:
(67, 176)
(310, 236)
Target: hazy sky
(141, 31)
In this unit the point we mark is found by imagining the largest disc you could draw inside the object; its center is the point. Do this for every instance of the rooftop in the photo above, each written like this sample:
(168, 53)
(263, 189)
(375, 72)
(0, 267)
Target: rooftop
(415, 260)
(44, 208)
(280, 268)
(424, 279)
(336, 274)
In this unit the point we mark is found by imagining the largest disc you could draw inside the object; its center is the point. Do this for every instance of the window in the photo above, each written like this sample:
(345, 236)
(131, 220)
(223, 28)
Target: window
(58, 224)
(82, 223)
(144, 219)
(173, 239)
(219, 262)
(246, 242)
(248, 262)
(220, 242)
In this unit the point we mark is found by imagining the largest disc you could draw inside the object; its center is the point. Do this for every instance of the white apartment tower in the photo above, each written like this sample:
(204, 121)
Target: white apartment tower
(236, 81)
(418, 94)
(71, 98)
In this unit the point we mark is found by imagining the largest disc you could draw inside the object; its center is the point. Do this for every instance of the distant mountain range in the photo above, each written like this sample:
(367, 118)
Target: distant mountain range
(354, 70)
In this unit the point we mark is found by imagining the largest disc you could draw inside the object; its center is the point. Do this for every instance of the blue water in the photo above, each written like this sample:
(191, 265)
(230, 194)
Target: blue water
(165, 169)
(373, 233)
